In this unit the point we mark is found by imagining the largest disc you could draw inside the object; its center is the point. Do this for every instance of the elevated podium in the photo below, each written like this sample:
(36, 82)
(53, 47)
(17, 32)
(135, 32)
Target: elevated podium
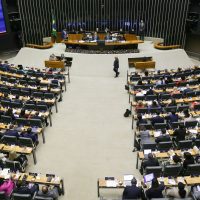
(54, 64)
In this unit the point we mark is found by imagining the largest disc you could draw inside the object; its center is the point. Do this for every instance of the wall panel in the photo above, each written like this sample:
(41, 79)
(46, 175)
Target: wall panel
(163, 18)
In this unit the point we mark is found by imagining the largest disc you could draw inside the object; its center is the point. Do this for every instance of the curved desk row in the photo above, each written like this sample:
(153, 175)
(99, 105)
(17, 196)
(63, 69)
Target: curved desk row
(131, 44)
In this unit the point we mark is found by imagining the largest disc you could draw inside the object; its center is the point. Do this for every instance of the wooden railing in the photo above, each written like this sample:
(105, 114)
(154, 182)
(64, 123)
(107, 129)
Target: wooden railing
(35, 46)
(161, 46)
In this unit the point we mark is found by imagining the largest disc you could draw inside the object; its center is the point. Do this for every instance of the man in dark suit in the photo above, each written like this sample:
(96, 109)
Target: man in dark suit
(132, 192)
(173, 117)
(157, 119)
(11, 132)
(23, 188)
(150, 92)
(150, 162)
(163, 137)
(180, 133)
(31, 135)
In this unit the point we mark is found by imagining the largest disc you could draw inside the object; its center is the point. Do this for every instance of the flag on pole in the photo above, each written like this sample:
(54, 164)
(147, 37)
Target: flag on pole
(54, 32)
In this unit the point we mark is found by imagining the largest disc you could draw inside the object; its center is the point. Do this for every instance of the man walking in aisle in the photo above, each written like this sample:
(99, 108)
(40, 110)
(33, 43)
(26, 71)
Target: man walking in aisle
(116, 66)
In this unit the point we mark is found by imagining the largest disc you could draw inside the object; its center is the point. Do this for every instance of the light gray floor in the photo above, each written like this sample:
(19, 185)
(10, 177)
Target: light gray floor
(90, 138)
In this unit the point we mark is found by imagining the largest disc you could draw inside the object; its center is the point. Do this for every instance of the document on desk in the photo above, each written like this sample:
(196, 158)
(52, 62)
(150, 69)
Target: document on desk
(111, 183)
(127, 179)
(171, 181)
(157, 133)
(193, 131)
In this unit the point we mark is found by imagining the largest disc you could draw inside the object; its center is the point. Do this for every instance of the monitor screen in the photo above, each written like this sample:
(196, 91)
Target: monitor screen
(2, 19)
(148, 178)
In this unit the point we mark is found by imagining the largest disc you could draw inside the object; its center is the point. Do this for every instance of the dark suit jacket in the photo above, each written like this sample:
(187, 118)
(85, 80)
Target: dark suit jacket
(155, 192)
(150, 163)
(12, 133)
(25, 190)
(180, 134)
(172, 118)
(132, 192)
(163, 138)
(188, 162)
(157, 119)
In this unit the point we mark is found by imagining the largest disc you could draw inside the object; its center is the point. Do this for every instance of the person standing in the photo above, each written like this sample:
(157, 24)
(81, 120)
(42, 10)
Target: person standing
(64, 34)
(141, 29)
(116, 66)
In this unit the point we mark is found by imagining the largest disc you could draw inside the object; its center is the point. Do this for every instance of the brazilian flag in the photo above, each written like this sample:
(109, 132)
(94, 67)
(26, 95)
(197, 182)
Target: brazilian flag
(54, 32)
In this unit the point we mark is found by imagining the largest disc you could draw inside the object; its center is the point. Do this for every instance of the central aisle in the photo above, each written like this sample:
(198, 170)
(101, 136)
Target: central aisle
(90, 138)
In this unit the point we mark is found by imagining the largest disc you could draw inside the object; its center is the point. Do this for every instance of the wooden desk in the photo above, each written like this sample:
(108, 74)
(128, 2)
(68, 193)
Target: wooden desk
(163, 155)
(192, 180)
(54, 64)
(19, 150)
(101, 183)
(145, 65)
(108, 45)
(39, 179)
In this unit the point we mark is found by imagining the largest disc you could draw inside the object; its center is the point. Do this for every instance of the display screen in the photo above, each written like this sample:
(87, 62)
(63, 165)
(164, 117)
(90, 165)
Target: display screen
(2, 19)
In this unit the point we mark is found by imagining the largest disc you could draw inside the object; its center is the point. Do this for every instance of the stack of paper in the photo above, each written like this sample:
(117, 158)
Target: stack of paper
(157, 133)
(111, 183)
(147, 151)
(127, 180)
(5, 173)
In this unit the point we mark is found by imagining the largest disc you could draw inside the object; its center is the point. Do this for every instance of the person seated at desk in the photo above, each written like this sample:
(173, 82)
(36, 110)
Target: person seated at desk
(140, 82)
(95, 37)
(155, 104)
(156, 189)
(175, 160)
(86, 37)
(23, 188)
(108, 36)
(43, 119)
(178, 192)
(31, 101)
(168, 80)
(173, 117)
(150, 92)
(180, 133)
(144, 138)
(161, 81)
(9, 113)
(22, 159)
(48, 192)
(187, 89)
(5, 97)
(31, 135)
(150, 162)
(164, 137)
(188, 117)
(163, 92)
(188, 159)
(157, 119)
(6, 186)
(11, 131)
(17, 100)
(139, 105)
(182, 80)
(132, 192)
